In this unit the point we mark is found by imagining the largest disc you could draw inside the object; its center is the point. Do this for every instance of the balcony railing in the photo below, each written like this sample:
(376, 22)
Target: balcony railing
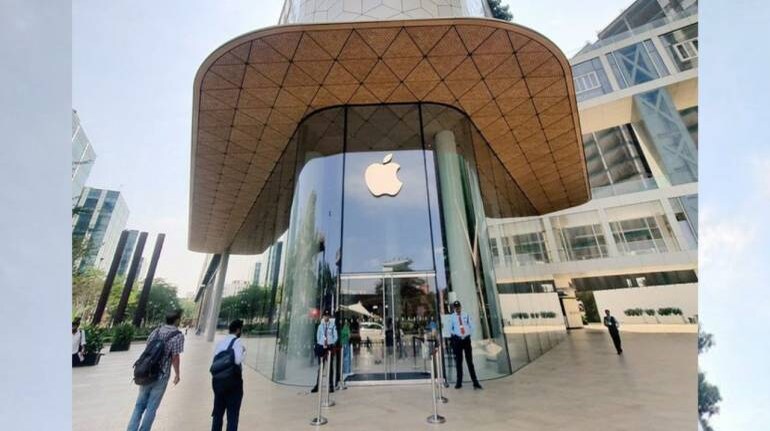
(638, 30)
(624, 187)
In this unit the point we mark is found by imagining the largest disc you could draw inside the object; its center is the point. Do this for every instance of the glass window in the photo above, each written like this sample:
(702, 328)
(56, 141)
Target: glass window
(579, 236)
(613, 156)
(690, 120)
(641, 229)
(686, 213)
(590, 79)
(381, 229)
(666, 135)
(682, 47)
(636, 64)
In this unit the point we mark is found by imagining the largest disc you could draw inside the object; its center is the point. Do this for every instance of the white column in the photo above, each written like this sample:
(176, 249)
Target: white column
(458, 240)
(550, 240)
(609, 238)
(216, 298)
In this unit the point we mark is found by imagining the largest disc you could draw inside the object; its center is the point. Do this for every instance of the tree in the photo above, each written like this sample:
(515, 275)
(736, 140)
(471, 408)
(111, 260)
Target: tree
(86, 288)
(162, 300)
(500, 11)
(708, 394)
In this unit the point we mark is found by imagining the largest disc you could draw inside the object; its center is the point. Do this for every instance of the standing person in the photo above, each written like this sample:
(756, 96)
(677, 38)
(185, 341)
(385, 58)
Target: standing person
(614, 327)
(461, 329)
(228, 390)
(325, 337)
(78, 343)
(345, 342)
(150, 395)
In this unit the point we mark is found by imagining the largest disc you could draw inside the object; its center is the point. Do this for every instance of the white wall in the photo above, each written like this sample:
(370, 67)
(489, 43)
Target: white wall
(317, 11)
(683, 296)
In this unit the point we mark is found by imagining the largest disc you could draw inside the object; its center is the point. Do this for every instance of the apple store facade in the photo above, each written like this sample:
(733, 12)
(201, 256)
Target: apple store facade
(379, 152)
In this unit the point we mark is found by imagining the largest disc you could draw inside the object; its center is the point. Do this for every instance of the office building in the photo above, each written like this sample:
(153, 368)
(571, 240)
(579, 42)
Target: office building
(83, 157)
(98, 222)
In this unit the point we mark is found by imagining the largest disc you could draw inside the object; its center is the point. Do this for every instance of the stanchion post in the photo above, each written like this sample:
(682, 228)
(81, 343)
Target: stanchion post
(319, 420)
(328, 402)
(435, 418)
(444, 382)
(439, 378)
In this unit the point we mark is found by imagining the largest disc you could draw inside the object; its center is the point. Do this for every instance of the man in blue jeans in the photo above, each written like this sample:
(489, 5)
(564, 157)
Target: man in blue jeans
(150, 394)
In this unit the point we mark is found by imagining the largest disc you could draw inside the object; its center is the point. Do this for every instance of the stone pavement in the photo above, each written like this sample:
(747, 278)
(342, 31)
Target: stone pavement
(581, 384)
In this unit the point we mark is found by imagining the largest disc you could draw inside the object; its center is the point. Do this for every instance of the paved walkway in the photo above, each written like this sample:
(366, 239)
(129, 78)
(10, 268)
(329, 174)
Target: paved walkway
(579, 385)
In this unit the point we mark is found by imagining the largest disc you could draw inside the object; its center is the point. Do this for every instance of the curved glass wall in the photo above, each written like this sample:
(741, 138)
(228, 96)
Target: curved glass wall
(388, 226)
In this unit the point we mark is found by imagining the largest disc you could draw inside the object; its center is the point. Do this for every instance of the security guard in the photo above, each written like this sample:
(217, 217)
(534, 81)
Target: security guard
(461, 329)
(613, 326)
(326, 337)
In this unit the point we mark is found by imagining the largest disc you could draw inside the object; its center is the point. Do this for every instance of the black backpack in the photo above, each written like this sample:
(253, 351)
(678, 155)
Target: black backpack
(224, 370)
(147, 368)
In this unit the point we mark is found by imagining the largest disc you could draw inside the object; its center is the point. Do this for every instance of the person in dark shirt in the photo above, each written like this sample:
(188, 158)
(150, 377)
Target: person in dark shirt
(614, 327)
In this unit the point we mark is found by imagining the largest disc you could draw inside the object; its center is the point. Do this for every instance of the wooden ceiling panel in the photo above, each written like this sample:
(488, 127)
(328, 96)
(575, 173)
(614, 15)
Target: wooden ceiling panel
(251, 94)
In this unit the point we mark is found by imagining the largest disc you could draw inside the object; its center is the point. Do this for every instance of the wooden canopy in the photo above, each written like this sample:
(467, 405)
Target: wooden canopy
(251, 93)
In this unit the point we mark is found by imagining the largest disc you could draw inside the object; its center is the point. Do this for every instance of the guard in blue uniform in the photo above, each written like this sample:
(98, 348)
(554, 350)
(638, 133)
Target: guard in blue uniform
(461, 328)
(326, 338)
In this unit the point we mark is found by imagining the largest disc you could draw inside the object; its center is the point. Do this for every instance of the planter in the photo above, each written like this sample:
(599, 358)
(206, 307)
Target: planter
(120, 346)
(91, 359)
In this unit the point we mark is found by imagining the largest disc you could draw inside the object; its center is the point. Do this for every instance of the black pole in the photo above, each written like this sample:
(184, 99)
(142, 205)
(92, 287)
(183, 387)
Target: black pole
(102, 304)
(130, 278)
(141, 307)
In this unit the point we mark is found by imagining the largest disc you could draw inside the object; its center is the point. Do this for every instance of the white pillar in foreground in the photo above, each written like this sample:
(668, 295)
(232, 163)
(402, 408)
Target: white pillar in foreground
(459, 242)
(216, 298)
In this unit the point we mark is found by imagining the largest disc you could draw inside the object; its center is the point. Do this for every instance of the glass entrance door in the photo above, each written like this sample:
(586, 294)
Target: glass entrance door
(390, 316)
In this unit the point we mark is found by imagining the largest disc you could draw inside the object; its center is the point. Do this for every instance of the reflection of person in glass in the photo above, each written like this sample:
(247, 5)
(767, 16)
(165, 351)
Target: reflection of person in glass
(614, 327)
(461, 328)
(325, 336)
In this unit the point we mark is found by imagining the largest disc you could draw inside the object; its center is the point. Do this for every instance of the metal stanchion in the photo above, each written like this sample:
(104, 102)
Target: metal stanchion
(442, 377)
(439, 378)
(435, 418)
(328, 402)
(320, 420)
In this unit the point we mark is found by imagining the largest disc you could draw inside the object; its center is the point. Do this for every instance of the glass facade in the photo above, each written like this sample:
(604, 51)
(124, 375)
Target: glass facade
(682, 46)
(641, 229)
(590, 80)
(83, 157)
(579, 236)
(392, 218)
(615, 162)
(686, 214)
(636, 64)
(666, 135)
(99, 218)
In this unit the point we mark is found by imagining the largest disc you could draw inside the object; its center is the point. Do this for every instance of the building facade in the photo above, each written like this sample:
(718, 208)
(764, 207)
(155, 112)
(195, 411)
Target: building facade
(396, 159)
(83, 157)
(128, 252)
(98, 222)
(635, 244)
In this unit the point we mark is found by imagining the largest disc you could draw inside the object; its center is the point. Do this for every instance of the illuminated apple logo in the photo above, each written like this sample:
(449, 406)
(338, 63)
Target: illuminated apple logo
(382, 178)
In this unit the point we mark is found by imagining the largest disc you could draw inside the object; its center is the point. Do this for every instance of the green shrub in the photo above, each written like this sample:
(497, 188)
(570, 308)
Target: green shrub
(94, 338)
(649, 312)
(122, 334)
(633, 312)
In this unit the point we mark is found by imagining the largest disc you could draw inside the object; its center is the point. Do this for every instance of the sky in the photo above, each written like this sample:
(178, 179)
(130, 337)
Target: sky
(133, 64)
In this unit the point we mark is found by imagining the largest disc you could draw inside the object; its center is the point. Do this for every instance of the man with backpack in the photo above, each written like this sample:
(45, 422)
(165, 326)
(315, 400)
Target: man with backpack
(153, 369)
(227, 378)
